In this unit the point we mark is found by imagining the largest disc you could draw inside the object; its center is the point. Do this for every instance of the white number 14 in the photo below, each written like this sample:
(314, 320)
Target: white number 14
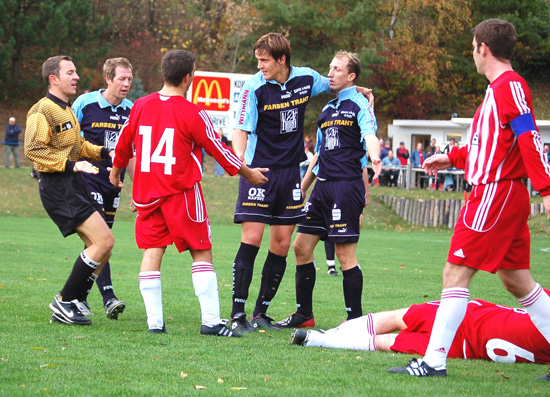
(166, 141)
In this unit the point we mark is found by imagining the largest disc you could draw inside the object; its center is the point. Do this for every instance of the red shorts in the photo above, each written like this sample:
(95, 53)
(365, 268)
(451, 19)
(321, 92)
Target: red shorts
(492, 232)
(180, 219)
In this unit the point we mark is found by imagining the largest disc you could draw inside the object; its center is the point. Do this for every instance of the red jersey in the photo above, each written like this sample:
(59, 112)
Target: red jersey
(488, 332)
(167, 134)
(504, 141)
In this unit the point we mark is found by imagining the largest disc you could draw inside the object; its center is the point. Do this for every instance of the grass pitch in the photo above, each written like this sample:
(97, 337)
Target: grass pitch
(401, 265)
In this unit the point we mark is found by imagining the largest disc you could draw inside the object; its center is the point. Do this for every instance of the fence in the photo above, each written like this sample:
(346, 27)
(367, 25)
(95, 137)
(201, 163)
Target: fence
(437, 212)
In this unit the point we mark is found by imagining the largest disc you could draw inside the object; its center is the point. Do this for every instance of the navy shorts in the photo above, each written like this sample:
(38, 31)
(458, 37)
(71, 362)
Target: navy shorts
(334, 210)
(277, 202)
(107, 199)
(66, 199)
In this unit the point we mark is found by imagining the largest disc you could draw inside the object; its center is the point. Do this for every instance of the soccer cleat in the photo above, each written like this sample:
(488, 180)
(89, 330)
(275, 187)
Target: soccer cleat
(219, 330)
(299, 337)
(84, 308)
(239, 323)
(114, 307)
(158, 330)
(262, 320)
(296, 320)
(332, 271)
(68, 312)
(418, 368)
(545, 377)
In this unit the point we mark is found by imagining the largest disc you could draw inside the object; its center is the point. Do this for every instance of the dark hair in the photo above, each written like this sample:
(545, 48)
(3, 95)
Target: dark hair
(499, 35)
(353, 65)
(51, 66)
(176, 65)
(110, 65)
(276, 45)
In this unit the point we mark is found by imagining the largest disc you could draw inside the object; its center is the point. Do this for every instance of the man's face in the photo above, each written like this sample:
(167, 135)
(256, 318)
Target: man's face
(121, 83)
(433, 142)
(338, 75)
(271, 69)
(419, 147)
(67, 79)
(390, 154)
(546, 148)
(12, 122)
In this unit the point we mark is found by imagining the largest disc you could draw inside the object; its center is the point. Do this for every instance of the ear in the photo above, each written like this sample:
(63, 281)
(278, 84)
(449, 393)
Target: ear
(282, 60)
(52, 79)
(351, 76)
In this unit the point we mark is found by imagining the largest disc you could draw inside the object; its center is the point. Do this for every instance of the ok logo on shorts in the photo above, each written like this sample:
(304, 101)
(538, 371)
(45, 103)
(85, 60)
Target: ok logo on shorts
(255, 193)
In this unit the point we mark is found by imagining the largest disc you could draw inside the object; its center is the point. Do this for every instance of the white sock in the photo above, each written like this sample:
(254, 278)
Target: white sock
(355, 334)
(206, 289)
(448, 318)
(151, 291)
(331, 262)
(537, 304)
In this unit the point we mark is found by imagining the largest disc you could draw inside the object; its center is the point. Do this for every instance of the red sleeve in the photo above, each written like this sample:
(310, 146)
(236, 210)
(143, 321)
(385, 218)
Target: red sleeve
(124, 149)
(205, 135)
(533, 157)
(458, 157)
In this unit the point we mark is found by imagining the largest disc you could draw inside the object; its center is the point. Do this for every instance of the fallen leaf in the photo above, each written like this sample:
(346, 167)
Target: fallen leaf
(359, 357)
(37, 348)
(183, 374)
(220, 380)
(49, 365)
(238, 388)
(402, 266)
(261, 331)
(1, 286)
(199, 387)
(502, 374)
(266, 379)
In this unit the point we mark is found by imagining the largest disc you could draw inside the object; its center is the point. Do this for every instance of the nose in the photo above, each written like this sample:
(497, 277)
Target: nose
(76, 76)
(259, 65)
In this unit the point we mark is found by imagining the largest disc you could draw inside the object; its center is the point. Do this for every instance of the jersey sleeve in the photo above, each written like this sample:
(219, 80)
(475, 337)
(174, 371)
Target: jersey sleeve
(320, 83)
(247, 117)
(366, 118)
(458, 156)
(205, 135)
(78, 106)
(37, 137)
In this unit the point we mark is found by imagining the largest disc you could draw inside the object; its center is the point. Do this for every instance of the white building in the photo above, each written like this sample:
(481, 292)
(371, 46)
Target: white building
(413, 131)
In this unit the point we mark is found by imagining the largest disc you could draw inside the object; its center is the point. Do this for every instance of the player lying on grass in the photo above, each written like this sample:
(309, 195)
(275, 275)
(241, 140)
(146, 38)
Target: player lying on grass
(488, 332)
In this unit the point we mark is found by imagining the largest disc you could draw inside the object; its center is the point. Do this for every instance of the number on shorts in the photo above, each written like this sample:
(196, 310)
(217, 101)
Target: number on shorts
(166, 141)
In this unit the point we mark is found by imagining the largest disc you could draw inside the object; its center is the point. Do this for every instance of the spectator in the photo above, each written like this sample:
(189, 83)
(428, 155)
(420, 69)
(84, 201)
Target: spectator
(385, 149)
(430, 150)
(12, 142)
(547, 152)
(218, 170)
(450, 146)
(417, 159)
(390, 170)
(305, 164)
(402, 153)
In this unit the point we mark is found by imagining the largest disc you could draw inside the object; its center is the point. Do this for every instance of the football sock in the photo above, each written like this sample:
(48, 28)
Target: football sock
(272, 274)
(78, 281)
(537, 304)
(243, 268)
(89, 284)
(357, 334)
(104, 283)
(151, 291)
(448, 318)
(353, 291)
(206, 289)
(329, 251)
(305, 282)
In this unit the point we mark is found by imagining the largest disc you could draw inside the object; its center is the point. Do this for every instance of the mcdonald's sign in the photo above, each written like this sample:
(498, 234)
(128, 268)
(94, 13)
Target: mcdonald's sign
(212, 93)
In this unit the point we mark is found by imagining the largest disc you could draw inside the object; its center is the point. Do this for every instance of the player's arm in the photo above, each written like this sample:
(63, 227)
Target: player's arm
(309, 176)
(240, 139)
(364, 163)
(254, 176)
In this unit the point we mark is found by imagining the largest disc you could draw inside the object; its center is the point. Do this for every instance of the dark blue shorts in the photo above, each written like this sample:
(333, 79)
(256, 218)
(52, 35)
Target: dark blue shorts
(276, 202)
(66, 199)
(334, 210)
(108, 199)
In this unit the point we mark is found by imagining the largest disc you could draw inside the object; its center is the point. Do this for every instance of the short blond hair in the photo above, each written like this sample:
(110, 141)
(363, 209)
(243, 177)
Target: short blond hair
(353, 64)
(110, 65)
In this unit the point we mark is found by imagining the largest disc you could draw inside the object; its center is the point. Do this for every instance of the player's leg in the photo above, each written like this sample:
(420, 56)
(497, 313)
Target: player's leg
(353, 278)
(205, 283)
(329, 254)
(151, 288)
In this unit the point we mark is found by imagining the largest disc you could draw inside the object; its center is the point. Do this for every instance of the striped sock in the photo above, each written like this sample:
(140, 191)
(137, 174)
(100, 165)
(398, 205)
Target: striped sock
(206, 289)
(537, 304)
(151, 291)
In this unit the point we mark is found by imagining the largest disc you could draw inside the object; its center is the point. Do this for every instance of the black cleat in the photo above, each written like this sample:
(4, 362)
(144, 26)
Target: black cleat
(114, 307)
(418, 368)
(545, 377)
(219, 330)
(239, 323)
(262, 320)
(296, 320)
(299, 337)
(158, 330)
(332, 271)
(68, 312)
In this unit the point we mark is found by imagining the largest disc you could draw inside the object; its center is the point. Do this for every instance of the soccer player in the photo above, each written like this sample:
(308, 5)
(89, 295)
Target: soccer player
(269, 133)
(168, 134)
(101, 115)
(54, 144)
(346, 127)
(491, 233)
(489, 332)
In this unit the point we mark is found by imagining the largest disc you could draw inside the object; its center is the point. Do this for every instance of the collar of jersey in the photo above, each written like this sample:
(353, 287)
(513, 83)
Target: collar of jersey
(343, 95)
(57, 101)
(290, 77)
(104, 104)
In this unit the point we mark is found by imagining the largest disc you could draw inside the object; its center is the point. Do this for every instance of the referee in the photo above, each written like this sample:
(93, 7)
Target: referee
(54, 144)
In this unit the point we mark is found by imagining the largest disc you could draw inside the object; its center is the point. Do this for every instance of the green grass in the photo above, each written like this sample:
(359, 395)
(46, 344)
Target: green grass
(401, 265)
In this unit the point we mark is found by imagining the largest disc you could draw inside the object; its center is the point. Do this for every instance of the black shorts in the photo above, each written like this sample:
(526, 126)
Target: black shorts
(277, 202)
(334, 210)
(107, 199)
(66, 199)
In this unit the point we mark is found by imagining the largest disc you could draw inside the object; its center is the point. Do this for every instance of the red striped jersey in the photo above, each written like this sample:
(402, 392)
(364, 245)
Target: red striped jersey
(167, 134)
(504, 141)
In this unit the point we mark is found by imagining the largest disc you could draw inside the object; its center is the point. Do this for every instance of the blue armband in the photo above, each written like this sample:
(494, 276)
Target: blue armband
(522, 124)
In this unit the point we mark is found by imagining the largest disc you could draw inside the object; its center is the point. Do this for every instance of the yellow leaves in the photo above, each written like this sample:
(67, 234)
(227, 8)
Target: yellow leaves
(199, 387)
(183, 374)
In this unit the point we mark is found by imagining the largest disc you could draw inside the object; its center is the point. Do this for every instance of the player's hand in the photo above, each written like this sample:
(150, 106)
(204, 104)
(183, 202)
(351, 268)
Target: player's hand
(367, 199)
(376, 167)
(114, 177)
(367, 93)
(435, 163)
(546, 202)
(132, 205)
(256, 176)
(85, 166)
